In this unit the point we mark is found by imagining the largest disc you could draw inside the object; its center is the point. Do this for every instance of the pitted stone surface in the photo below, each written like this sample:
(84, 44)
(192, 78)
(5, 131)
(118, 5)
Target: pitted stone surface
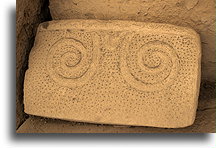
(196, 14)
(114, 72)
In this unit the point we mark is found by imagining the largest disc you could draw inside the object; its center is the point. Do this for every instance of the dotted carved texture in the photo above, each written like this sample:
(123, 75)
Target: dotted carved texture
(140, 78)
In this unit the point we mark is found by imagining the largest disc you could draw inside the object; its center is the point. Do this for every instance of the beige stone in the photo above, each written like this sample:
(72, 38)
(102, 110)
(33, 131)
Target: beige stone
(196, 14)
(114, 72)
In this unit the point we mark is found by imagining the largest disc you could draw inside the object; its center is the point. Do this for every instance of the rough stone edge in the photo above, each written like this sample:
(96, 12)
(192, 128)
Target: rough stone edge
(116, 25)
(46, 125)
(204, 122)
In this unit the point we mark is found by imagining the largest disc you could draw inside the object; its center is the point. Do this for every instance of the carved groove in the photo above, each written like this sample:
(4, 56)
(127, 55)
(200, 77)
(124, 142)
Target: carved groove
(152, 67)
(70, 64)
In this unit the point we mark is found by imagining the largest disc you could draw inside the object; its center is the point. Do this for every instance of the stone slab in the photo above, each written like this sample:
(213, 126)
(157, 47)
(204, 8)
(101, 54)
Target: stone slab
(114, 72)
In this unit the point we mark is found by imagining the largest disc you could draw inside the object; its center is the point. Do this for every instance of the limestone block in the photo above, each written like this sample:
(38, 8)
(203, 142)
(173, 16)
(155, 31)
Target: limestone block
(114, 72)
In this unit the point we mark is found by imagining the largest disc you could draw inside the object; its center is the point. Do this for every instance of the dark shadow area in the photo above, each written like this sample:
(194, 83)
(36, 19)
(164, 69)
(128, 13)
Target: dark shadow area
(207, 87)
(206, 98)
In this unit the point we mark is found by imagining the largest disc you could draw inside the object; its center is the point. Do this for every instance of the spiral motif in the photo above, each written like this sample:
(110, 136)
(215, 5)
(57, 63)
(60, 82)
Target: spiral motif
(70, 64)
(152, 67)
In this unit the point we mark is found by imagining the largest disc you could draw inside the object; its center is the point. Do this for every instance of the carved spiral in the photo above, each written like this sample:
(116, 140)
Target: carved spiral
(70, 64)
(151, 67)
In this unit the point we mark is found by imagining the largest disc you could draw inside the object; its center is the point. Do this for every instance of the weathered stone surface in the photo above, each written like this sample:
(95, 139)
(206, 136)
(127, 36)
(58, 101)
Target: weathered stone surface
(196, 14)
(204, 123)
(114, 72)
